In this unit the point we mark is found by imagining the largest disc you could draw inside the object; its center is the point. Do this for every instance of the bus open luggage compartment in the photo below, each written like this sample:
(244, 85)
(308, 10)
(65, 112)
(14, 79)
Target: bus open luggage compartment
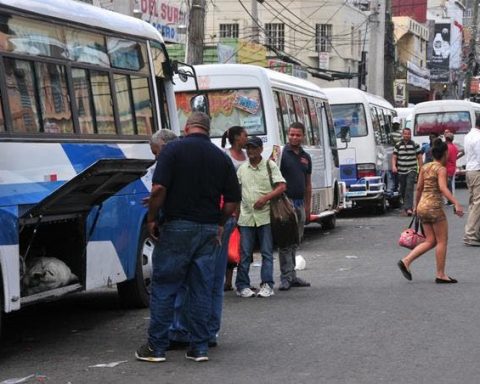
(54, 235)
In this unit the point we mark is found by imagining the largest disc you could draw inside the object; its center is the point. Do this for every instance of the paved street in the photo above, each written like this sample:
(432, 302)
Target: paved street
(360, 322)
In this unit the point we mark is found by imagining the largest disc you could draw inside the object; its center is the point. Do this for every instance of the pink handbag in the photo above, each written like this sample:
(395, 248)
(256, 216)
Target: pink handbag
(413, 235)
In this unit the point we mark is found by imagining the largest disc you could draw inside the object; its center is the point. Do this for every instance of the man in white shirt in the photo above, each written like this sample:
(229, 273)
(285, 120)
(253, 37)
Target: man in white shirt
(472, 154)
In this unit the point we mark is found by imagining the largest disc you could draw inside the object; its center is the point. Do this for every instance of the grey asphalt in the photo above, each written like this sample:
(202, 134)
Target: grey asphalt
(360, 322)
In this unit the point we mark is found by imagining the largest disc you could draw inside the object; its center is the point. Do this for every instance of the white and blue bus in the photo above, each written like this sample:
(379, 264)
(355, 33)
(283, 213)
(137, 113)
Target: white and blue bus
(81, 91)
(365, 164)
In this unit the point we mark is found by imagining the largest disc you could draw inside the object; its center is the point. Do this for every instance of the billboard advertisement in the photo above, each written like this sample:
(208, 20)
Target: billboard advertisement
(439, 53)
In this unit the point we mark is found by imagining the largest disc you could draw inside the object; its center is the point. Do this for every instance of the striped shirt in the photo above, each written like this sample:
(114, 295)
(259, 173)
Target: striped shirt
(407, 156)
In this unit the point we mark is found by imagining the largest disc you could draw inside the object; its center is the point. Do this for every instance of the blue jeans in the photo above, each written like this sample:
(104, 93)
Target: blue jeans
(179, 331)
(185, 254)
(247, 241)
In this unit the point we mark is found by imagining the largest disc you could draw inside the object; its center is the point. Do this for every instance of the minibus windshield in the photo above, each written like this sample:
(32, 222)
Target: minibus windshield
(352, 116)
(438, 122)
(228, 107)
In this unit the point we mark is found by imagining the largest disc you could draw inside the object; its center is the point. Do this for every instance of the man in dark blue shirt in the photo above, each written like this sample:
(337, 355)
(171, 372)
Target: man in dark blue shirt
(296, 168)
(191, 176)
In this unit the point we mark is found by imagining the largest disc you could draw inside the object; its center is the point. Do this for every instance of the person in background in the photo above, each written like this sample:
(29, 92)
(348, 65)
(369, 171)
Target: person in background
(406, 159)
(191, 176)
(431, 187)
(427, 148)
(396, 134)
(296, 168)
(237, 138)
(254, 217)
(472, 154)
(453, 155)
(159, 139)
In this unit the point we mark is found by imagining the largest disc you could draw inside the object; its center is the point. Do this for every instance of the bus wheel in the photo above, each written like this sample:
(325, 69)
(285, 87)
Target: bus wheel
(135, 293)
(382, 206)
(330, 222)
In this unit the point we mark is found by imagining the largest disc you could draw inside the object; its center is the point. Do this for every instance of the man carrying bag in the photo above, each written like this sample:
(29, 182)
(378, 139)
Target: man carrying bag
(255, 217)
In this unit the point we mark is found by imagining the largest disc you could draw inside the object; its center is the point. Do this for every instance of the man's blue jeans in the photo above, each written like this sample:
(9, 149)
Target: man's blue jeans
(185, 254)
(179, 330)
(247, 241)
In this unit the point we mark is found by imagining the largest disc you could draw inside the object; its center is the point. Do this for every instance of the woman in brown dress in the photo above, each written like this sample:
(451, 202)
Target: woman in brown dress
(431, 187)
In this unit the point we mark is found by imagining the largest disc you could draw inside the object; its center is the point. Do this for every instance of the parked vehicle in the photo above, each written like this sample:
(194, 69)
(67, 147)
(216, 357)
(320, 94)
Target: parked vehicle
(435, 116)
(266, 102)
(81, 91)
(405, 117)
(365, 164)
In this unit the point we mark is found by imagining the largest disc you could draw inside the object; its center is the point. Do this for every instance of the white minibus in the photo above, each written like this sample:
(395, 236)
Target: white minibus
(266, 102)
(405, 117)
(365, 163)
(436, 116)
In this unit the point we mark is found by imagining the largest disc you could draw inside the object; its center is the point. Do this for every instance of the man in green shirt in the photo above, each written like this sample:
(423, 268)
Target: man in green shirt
(255, 217)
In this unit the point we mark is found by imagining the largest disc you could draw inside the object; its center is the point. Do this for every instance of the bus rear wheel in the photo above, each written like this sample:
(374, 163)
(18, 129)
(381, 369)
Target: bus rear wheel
(135, 293)
(330, 222)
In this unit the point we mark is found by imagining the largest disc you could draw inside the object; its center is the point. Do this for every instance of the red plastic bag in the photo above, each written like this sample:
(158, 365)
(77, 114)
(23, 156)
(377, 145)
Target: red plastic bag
(234, 247)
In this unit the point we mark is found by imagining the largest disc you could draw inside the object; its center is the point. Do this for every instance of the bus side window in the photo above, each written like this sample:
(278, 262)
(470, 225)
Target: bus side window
(54, 101)
(142, 105)
(297, 102)
(316, 121)
(291, 111)
(82, 99)
(314, 135)
(21, 96)
(376, 125)
(124, 102)
(102, 101)
(278, 107)
(284, 111)
(383, 136)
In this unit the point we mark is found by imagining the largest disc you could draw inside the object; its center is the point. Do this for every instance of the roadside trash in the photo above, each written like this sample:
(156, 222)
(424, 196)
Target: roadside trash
(343, 269)
(17, 380)
(300, 263)
(351, 257)
(107, 365)
(256, 264)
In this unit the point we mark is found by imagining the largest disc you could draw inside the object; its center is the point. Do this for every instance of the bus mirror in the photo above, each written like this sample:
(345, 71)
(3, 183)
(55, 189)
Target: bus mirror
(345, 134)
(199, 103)
(182, 75)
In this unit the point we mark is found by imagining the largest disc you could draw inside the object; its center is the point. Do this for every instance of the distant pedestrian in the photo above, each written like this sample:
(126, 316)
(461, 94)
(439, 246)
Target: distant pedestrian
(254, 217)
(406, 160)
(427, 148)
(453, 155)
(237, 138)
(190, 177)
(396, 134)
(472, 154)
(296, 168)
(431, 187)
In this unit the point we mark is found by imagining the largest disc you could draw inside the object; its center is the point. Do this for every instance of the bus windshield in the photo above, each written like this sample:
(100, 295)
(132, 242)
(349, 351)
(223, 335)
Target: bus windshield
(228, 107)
(438, 122)
(352, 116)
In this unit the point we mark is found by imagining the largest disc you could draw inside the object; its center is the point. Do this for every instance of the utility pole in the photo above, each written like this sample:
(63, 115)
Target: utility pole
(376, 57)
(472, 54)
(196, 32)
(389, 54)
(255, 29)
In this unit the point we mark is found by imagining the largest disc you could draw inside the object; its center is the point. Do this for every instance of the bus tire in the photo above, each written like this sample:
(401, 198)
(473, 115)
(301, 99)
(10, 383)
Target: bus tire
(330, 222)
(382, 206)
(135, 293)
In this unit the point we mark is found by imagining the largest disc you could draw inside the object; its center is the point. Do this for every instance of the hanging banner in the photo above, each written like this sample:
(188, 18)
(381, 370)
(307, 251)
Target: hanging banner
(439, 53)
(400, 90)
